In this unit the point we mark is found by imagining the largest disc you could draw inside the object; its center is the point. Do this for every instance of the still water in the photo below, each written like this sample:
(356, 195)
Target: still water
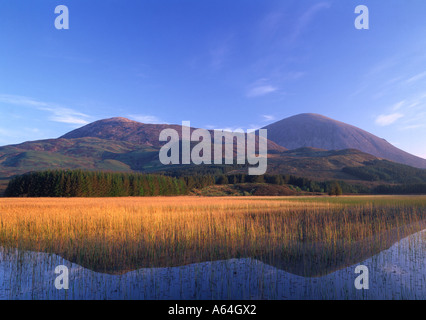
(398, 272)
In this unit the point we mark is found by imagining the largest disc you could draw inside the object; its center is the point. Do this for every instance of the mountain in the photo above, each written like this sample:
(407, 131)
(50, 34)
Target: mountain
(123, 145)
(122, 129)
(125, 130)
(116, 144)
(317, 131)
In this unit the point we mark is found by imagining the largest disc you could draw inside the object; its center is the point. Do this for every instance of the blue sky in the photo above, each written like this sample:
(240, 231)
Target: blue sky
(219, 64)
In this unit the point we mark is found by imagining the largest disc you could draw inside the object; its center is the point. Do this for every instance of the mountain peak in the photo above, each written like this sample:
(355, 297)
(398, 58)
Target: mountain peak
(119, 129)
(313, 117)
(117, 119)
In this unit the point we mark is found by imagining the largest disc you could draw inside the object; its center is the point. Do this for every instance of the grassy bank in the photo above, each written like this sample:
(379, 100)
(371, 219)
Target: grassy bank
(307, 236)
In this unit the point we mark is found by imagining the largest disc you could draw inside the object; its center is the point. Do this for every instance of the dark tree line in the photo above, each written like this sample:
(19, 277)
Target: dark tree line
(198, 182)
(305, 184)
(401, 189)
(78, 183)
(203, 176)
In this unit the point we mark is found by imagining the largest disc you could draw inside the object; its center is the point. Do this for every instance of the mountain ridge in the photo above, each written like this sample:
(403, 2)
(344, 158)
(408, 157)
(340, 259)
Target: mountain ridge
(123, 129)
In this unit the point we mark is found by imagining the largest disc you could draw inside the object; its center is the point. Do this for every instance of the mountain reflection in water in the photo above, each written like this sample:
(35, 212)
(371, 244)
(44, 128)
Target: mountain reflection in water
(395, 273)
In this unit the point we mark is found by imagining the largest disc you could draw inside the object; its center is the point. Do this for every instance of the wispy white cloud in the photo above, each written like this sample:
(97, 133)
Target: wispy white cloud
(307, 18)
(412, 111)
(267, 117)
(388, 119)
(383, 65)
(220, 50)
(21, 100)
(416, 78)
(398, 105)
(58, 113)
(413, 104)
(146, 118)
(295, 75)
(66, 115)
(261, 87)
(377, 76)
(261, 91)
(413, 126)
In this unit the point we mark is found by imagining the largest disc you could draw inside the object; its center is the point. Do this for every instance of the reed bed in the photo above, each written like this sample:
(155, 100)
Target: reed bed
(306, 236)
